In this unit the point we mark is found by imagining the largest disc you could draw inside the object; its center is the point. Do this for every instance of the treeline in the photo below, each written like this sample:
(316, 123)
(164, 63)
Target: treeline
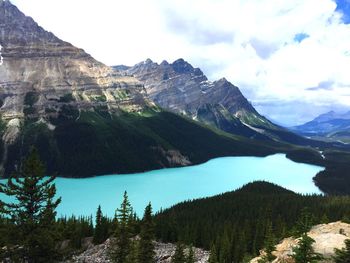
(236, 225)
(30, 232)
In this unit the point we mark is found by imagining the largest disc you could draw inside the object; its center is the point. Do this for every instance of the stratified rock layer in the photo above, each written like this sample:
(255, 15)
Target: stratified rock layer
(40, 73)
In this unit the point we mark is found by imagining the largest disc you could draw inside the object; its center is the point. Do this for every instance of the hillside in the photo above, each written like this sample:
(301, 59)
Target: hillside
(237, 223)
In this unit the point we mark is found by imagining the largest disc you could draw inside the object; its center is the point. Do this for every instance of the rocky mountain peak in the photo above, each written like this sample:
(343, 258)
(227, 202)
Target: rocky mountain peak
(164, 63)
(181, 88)
(40, 69)
(181, 66)
(148, 61)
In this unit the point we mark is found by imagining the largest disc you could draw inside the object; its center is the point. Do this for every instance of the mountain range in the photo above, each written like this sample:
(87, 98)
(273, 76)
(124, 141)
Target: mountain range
(330, 126)
(86, 118)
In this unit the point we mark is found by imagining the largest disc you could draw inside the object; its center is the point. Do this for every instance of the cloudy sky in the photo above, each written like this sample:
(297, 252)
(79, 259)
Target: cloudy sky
(290, 58)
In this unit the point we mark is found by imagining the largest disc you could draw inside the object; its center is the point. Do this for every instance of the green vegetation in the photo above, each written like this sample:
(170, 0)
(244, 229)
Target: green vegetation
(88, 143)
(343, 255)
(146, 246)
(102, 224)
(179, 256)
(31, 236)
(304, 251)
(100, 98)
(238, 224)
(31, 98)
(123, 233)
(234, 226)
(66, 98)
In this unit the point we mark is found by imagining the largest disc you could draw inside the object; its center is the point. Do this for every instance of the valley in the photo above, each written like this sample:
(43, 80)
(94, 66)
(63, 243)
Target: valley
(200, 167)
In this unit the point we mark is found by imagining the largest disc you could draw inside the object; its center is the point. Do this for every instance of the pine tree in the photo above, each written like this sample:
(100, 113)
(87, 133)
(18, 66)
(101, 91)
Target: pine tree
(343, 255)
(147, 235)
(33, 212)
(190, 257)
(99, 233)
(304, 253)
(179, 256)
(269, 245)
(121, 247)
(213, 258)
(133, 253)
(304, 223)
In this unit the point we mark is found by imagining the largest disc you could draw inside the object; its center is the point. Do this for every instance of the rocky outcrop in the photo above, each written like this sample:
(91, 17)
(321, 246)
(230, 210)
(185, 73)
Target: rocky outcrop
(327, 237)
(164, 252)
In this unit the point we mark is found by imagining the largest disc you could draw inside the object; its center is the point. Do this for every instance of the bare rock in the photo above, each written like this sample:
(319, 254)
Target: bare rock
(164, 252)
(327, 237)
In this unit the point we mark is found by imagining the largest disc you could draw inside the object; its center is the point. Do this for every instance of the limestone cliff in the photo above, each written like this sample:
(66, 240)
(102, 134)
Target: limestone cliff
(40, 73)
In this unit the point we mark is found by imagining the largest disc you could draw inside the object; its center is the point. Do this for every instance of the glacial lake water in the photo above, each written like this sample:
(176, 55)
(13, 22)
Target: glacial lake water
(166, 187)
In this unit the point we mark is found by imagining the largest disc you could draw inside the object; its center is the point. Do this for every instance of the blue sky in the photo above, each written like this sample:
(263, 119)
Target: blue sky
(290, 58)
(344, 7)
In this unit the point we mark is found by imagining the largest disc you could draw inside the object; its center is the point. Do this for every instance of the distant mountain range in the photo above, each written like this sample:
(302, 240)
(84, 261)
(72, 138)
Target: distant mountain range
(329, 126)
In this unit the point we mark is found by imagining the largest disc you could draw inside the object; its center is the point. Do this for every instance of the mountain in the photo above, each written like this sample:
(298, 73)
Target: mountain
(183, 89)
(329, 126)
(86, 118)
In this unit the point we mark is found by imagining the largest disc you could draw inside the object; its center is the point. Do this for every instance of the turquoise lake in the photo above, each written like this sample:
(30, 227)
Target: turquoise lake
(166, 187)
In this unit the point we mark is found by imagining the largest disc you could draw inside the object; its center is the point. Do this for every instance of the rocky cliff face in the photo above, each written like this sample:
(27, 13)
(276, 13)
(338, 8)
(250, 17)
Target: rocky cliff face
(327, 237)
(43, 78)
(40, 73)
(183, 89)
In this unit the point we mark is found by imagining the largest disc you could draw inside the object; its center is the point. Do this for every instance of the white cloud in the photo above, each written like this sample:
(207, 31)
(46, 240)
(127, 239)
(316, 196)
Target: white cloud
(250, 42)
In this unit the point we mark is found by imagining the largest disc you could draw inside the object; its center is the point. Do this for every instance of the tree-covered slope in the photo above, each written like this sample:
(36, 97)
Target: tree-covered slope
(237, 223)
(95, 142)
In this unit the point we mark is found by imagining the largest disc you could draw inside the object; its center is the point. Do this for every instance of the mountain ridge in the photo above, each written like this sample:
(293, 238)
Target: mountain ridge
(86, 118)
(329, 126)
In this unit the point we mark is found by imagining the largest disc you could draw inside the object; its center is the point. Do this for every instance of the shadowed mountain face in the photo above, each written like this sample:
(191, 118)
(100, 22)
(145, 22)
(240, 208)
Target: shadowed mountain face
(329, 126)
(86, 118)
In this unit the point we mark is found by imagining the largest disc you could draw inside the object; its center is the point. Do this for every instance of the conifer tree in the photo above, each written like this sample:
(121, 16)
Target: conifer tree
(179, 256)
(132, 257)
(147, 235)
(213, 258)
(33, 212)
(101, 227)
(304, 223)
(343, 255)
(269, 245)
(190, 257)
(121, 247)
(304, 253)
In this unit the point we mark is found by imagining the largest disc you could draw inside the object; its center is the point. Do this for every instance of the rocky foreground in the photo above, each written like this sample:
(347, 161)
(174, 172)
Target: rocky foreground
(164, 252)
(327, 237)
